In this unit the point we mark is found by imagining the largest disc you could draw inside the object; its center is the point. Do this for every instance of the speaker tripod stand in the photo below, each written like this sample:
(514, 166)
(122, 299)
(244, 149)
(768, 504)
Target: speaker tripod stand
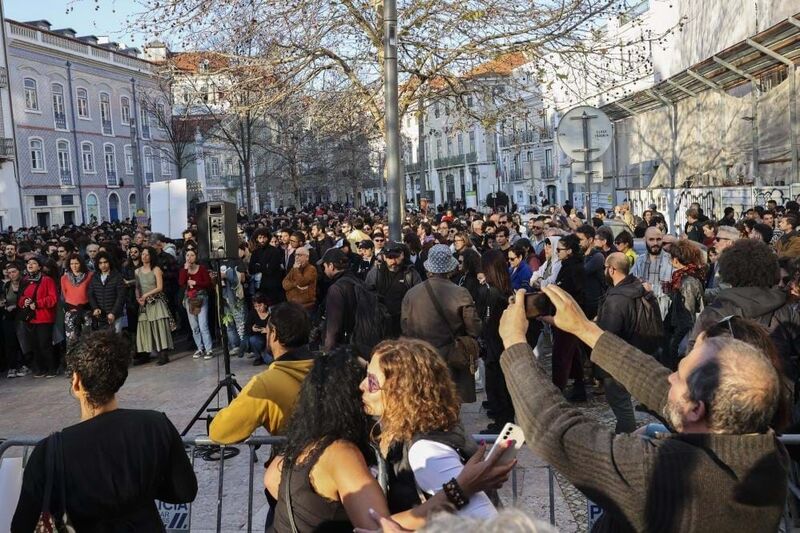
(228, 383)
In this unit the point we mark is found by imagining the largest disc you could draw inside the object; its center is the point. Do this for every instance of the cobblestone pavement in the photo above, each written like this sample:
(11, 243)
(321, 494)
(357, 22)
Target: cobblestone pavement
(38, 407)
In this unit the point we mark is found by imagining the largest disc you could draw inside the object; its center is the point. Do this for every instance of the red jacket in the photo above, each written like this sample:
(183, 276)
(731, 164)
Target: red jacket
(201, 277)
(46, 299)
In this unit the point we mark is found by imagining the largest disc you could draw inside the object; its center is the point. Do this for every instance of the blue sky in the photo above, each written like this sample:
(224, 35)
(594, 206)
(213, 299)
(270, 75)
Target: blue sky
(87, 17)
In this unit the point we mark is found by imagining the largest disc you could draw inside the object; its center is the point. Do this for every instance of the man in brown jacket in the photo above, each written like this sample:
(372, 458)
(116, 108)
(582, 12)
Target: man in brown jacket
(789, 244)
(721, 470)
(419, 318)
(300, 282)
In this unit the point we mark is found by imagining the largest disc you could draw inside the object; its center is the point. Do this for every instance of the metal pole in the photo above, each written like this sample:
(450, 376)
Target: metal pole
(587, 165)
(754, 166)
(795, 178)
(75, 142)
(392, 124)
(17, 176)
(138, 180)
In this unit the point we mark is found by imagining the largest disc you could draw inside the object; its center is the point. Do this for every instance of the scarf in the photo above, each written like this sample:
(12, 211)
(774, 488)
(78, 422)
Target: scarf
(76, 280)
(695, 271)
(34, 278)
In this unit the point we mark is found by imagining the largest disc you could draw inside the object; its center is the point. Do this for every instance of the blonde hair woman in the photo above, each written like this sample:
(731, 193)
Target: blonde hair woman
(409, 390)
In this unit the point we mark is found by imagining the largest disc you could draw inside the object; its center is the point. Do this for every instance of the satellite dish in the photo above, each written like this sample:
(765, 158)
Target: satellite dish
(570, 133)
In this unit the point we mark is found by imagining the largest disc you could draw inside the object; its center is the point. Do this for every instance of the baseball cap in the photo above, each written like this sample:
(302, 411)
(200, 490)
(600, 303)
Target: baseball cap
(366, 243)
(333, 255)
(393, 247)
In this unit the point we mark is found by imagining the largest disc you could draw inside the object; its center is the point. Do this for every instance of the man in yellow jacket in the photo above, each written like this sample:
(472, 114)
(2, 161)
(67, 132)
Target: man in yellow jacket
(269, 398)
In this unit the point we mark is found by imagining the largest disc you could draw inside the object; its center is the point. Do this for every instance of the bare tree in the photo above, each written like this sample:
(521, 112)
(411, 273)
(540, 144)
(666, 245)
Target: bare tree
(177, 123)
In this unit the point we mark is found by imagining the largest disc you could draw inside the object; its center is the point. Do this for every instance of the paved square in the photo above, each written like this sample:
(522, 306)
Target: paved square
(36, 407)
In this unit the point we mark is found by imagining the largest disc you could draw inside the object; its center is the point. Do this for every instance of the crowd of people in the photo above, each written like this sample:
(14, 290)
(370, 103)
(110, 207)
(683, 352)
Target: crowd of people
(373, 345)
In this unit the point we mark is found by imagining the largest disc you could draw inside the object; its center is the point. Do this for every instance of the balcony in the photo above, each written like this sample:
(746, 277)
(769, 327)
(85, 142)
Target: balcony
(413, 168)
(520, 137)
(6, 149)
(66, 178)
(108, 130)
(61, 121)
(111, 178)
(223, 182)
(455, 160)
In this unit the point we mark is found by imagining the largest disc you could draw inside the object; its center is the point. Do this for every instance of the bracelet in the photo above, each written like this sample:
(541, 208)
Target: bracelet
(454, 494)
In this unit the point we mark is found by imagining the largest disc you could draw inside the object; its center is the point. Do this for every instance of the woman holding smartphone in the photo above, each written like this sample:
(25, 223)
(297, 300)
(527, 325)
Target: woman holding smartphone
(256, 327)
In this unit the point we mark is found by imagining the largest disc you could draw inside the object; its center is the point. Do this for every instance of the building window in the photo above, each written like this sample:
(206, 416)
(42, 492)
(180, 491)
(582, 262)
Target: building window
(87, 157)
(144, 122)
(214, 167)
(110, 163)
(92, 207)
(64, 165)
(148, 165)
(125, 104)
(67, 199)
(460, 144)
(37, 155)
(128, 159)
(166, 164)
(472, 147)
(548, 163)
(436, 110)
(105, 114)
(83, 103)
(40, 200)
(438, 148)
(59, 115)
(470, 101)
(449, 146)
(162, 116)
(132, 205)
(31, 95)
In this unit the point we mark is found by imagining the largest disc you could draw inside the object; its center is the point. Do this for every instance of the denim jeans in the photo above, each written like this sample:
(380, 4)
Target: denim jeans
(258, 345)
(199, 325)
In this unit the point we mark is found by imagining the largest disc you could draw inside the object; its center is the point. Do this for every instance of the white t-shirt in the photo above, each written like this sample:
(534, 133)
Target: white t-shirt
(434, 464)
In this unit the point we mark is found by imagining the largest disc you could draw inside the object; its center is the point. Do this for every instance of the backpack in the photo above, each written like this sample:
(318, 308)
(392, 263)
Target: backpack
(648, 328)
(370, 321)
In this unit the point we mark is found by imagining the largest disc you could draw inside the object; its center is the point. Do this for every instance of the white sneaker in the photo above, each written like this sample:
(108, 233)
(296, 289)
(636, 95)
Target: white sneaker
(209, 355)
(198, 354)
(234, 351)
(23, 371)
(12, 373)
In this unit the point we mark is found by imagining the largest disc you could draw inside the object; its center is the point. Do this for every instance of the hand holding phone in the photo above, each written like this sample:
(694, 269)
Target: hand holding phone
(538, 304)
(510, 432)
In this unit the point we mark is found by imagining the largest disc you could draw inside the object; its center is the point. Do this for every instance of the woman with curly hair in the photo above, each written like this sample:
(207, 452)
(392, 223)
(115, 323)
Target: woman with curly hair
(686, 297)
(322, 479)
(409, 391)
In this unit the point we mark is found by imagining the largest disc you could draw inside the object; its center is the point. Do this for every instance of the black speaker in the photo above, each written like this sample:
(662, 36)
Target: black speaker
(217, 237)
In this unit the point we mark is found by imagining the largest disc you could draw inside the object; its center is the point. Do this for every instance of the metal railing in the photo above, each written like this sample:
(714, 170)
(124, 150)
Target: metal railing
(253, 443)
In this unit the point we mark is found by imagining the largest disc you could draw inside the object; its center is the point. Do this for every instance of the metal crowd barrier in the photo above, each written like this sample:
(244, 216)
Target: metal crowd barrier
(252, 444)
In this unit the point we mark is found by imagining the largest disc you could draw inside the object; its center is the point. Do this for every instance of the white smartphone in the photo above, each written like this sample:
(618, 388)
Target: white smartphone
(509, 432)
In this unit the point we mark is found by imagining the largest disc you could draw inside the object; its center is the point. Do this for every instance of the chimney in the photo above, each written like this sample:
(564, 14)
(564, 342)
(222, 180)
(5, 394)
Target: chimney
(41, 24)
(66, 32)
(88, 39)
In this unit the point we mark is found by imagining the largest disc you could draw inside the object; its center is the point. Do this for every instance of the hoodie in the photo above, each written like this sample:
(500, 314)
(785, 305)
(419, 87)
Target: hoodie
(268, 400)
(541, 275)
(768, 307)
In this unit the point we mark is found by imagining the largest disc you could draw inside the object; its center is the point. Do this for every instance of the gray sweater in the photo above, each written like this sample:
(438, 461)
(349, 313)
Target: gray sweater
(680, 482)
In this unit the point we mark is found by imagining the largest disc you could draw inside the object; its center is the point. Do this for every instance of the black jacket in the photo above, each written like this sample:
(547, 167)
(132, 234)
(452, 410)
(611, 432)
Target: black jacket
(109, 297)
(768, 307)
(571, 278)
(595, 287)
(268, 261)
(340, 306)
(618, 312)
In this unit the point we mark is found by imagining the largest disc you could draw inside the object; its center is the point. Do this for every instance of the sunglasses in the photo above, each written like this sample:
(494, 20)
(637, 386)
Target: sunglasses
(373, 385)
(727, 320)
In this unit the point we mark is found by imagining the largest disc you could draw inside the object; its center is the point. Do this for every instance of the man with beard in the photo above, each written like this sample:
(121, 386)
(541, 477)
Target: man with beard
(619, 315)
(721, 454)
(320, 242)
(593, 259)
(366, 249)
(654, 268)
(267, 263)
(391, 279)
